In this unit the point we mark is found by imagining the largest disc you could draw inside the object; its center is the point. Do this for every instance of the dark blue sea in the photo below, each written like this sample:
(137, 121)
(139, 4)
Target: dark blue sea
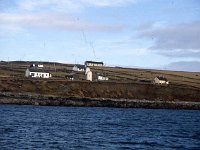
(44, 127)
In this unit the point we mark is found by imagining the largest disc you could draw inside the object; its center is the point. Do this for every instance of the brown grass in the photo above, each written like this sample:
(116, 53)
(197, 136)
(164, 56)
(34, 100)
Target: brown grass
(17, 69)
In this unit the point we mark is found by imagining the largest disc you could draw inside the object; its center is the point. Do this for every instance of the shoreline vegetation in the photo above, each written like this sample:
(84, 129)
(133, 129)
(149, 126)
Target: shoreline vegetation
(126, 88)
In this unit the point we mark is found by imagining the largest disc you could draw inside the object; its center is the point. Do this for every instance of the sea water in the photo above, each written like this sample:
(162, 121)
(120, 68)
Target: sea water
(49, 127)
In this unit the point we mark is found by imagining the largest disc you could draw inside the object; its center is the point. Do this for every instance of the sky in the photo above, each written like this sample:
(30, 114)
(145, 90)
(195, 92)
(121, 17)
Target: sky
(153, 34)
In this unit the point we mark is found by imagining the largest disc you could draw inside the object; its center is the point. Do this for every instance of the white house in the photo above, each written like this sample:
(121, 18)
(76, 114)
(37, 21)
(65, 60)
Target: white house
(89, 76)
(35, 72)
(160, 80)
(78, 67)
(102, 78)
(37, 65)
(93, 64)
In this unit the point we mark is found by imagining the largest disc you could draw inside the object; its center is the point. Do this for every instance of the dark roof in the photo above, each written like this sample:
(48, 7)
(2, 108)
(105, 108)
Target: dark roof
(162, 78)
(80, 66)
(94, 62)
(70, 74)
(36, 69)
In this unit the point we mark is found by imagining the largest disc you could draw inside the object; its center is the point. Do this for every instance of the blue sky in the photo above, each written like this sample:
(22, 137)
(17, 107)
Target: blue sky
(134, 33)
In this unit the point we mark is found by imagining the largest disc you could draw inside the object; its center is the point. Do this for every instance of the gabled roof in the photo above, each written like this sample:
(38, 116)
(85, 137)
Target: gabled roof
(80, 66)
(94, 62)
(162, 78)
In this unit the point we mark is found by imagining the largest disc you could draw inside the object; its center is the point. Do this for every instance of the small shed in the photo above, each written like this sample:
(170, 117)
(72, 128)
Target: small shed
(160, 80)
(100, 77)
(70, 76)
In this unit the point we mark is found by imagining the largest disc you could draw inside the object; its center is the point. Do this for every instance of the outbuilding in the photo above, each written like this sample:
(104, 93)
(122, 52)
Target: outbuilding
(101, 77)
(80, 68)
(36, 65)
(70, 76)
(160, 80)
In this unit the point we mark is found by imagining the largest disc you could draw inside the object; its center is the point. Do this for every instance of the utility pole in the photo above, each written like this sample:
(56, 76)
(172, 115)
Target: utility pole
(54, 67)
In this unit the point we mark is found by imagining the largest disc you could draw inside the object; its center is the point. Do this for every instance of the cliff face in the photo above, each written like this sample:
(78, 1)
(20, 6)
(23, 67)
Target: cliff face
(100, 89)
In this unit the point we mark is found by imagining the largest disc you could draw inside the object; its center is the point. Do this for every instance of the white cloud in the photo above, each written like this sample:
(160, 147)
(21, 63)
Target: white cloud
(4, 29)
(57, 5)
(108, 3)
(53, 20)
(70, 5)
(67, 6)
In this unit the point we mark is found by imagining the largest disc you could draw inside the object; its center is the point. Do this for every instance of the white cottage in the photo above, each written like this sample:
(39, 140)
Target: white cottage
(35, 72)
(80, 68)
(160, 80)
(36, 65)
(102, 78)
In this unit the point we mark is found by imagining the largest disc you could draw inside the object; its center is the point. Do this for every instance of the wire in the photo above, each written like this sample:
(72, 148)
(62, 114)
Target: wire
(89, 43)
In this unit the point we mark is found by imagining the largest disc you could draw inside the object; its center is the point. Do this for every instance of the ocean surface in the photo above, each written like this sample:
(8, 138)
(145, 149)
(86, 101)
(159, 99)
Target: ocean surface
(44, 127)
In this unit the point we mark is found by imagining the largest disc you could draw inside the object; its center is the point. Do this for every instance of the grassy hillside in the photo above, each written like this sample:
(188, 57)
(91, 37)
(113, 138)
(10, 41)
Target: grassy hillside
(16, 69)
(124, 83)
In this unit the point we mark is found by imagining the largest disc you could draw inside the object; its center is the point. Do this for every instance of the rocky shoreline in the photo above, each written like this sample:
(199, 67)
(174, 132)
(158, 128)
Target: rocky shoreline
(127, 87)
(49, 100)
(97, 94)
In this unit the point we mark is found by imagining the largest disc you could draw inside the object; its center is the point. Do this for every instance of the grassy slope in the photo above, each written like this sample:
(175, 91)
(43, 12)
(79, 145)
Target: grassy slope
(58, 70)
(124, 83)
